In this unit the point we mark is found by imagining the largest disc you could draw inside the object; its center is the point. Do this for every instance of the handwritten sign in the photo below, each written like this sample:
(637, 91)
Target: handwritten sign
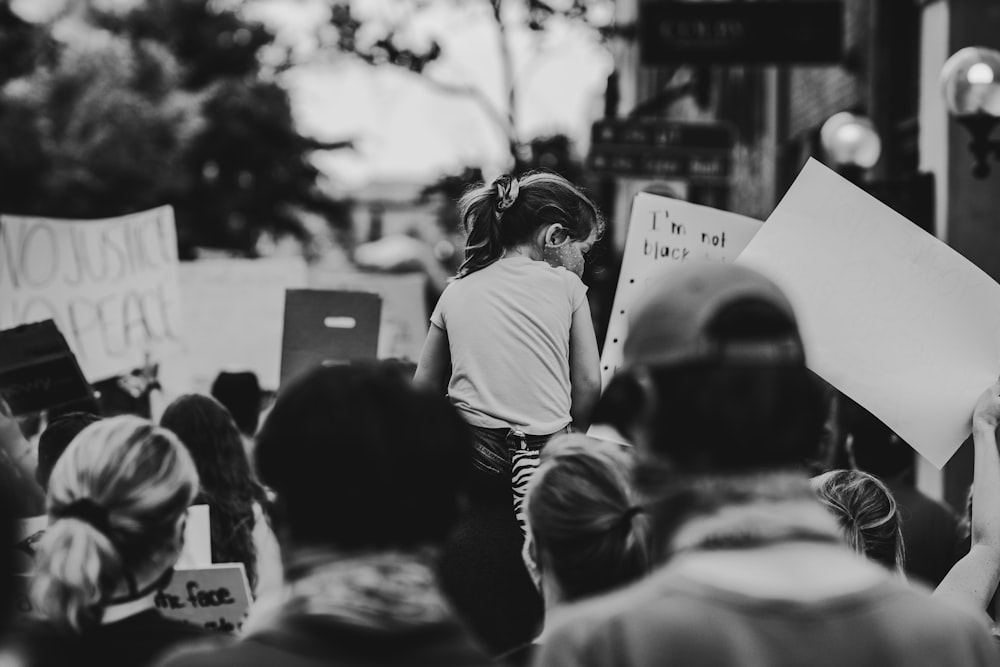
(890, 315)
(110, 285)
(221, 297)
(216, 597)
(664, 231)
(403, 326)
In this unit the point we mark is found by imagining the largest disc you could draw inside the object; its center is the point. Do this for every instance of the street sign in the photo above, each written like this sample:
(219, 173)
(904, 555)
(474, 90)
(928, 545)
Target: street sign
(741, 33)
(696, 152)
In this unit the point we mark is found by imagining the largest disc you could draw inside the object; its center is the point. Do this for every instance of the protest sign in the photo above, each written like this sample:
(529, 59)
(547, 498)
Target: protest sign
(404, 321)
(216, 597)
(890, 315)
(110, 285)
(233, 310)
(664, 231)
(38, 370)
(328, 327)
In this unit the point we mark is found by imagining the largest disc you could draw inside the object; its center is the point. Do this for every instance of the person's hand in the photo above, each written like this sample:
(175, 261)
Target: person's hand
(987, 412)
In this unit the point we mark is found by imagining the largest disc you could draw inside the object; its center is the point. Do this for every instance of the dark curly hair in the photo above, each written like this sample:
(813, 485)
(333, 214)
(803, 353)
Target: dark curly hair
(227, 486)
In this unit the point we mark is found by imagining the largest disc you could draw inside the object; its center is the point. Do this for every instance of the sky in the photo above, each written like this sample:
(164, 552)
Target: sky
(404, 129)
(407, 130)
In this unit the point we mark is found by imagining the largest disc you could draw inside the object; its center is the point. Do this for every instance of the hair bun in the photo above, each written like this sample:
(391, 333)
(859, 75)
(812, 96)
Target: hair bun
(507, 188)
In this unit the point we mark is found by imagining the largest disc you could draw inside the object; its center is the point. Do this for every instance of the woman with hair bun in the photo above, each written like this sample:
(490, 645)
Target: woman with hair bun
(587, 534)
(117, 502)
(867, 514)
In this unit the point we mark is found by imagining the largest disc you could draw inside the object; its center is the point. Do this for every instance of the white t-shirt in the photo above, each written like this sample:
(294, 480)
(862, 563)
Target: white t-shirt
(508, 332)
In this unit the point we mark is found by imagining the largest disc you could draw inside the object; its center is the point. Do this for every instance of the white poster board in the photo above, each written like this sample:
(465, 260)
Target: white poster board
(110, 285)
(664, 231)
(890, 315)
(216, 597)
(404, 321)
(233, 311)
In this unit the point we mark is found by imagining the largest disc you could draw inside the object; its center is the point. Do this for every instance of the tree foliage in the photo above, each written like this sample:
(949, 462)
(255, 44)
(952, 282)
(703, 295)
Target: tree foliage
(163, 103)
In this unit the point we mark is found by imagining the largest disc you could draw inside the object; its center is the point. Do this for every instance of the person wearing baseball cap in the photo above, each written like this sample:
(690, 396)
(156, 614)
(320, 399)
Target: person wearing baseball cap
(754, 571)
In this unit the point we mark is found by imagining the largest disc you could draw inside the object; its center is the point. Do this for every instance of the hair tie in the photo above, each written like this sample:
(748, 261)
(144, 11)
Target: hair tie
(88, 511)
(631, 513)
(507, 190)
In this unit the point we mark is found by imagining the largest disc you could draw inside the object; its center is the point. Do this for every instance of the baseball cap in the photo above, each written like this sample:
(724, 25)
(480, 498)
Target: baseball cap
(712, 311)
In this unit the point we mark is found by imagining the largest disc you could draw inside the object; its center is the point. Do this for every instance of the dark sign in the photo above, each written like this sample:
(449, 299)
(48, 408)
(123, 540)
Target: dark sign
(697, 152)
(37, 369)
(741, 33)
(328, 327)
(662, 134)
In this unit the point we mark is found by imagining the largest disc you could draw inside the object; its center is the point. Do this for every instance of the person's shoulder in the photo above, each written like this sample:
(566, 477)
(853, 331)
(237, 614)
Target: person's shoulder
(210, 651)
(587, 617)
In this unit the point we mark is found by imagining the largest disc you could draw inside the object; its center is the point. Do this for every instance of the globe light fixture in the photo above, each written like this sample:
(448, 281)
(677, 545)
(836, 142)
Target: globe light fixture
(970, 82)
(850, 141)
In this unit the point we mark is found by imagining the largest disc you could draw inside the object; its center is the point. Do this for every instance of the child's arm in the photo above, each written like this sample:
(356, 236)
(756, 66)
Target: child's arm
(434, 369)
(973, 580)
(584, 367)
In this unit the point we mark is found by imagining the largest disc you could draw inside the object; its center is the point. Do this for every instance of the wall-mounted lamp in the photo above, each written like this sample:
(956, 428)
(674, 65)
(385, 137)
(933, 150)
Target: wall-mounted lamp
(850, 141)
(970, 81)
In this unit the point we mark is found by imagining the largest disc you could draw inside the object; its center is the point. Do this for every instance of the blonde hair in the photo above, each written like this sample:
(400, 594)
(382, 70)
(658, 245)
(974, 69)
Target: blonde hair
(584, 515)
(867, 514)
(143, 479)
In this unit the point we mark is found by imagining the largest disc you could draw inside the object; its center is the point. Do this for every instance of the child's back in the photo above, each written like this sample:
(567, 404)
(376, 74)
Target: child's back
(508, 328)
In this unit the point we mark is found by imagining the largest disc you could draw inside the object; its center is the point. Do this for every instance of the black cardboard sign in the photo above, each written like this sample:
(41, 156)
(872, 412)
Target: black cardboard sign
(38, 370)
(328, 327)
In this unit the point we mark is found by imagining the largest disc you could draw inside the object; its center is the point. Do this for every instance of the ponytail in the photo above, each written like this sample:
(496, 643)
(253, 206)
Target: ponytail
(116, 499)
(582, 514)
(76, 565)
(511, 209)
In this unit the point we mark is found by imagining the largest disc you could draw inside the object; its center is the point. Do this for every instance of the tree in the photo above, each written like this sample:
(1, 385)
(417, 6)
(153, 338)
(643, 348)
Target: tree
(387, 44)
(250, 167)
(164, 103)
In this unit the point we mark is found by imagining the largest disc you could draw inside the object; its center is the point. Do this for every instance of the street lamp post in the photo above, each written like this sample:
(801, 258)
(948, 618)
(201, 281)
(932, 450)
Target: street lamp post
(970, 81)
(850, 143)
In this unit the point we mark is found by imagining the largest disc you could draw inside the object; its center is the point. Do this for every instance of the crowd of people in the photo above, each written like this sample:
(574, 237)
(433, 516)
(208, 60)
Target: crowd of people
(726, 507)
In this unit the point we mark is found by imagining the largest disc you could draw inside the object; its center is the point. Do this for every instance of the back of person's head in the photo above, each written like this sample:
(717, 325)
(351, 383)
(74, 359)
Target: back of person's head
(620, 406)
(583, 517)
(361, 459)
(717, 351)
(512, 209)
(867, 514)
(54, 440)
(117, 499)
(9, 511)
(240, 393)
(211, 436)
(208, 431)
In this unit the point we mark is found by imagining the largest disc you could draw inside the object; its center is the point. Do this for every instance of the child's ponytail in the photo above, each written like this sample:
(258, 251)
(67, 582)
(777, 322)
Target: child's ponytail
(482, 211)
(511, 209)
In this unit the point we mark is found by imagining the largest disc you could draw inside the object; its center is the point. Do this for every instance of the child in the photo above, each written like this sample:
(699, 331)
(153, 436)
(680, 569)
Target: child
(512, 339)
